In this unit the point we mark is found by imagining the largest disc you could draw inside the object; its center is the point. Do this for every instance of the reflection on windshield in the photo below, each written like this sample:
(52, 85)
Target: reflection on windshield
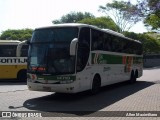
(61, 66)
(65, 34)
(52, 56)
(38, 54)
(54, 60)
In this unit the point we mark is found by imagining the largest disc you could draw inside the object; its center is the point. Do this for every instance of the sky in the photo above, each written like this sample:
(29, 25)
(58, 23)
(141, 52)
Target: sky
(21, 14)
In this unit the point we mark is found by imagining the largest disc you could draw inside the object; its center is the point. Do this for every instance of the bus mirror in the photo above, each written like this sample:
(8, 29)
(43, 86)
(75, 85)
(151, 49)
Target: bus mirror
(19, 47)
(28, 41)
(73, 46)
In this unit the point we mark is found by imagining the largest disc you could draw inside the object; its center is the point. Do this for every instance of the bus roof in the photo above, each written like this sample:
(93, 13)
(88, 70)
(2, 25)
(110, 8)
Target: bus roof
(9, 42)
(68, 25)
(91, 26)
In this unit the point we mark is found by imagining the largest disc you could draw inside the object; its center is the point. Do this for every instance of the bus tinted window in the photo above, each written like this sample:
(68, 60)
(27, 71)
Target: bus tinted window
(24, 52)
(132, 47)
(115, 44)
(107, 46)
(83, 48)
(84, 37)
(108, 42)
(8, 50)
(62, 34)
(97, 40)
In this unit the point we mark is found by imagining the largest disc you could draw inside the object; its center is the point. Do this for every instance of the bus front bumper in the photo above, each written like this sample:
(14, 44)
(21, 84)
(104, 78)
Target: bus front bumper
(61, 88)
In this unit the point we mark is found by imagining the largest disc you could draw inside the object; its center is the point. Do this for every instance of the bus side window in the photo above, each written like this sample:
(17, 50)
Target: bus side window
(97, 40)
(8, 51)
(107, 42)
(1, 52)
(24, 52)
(121, 44)
(115, 45)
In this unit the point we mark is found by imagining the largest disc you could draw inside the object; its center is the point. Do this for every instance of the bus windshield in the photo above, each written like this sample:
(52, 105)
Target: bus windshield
(49, 50)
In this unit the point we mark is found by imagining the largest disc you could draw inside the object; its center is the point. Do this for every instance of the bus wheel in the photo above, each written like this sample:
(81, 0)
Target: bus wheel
(96, 84)
(132, 77)
(22, 75)
(136, 74)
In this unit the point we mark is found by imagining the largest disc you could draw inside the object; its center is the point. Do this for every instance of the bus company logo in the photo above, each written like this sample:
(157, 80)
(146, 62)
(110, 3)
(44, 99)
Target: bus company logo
(6, 114)
(13, 60)
(99, 59)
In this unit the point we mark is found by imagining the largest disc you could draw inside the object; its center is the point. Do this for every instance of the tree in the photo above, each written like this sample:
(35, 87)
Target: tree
(123, 13)
(101, 22)
(153, 21)
(23, 34)
(151, 12)
(73, 17)
(150, 44)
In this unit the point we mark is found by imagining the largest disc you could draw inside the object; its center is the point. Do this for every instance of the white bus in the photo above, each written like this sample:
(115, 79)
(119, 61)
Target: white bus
(11, 65)
(70, 58)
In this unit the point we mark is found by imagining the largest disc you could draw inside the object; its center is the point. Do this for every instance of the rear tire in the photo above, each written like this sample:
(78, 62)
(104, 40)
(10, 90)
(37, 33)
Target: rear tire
(96, 85)
(136, 74)
(132, 77)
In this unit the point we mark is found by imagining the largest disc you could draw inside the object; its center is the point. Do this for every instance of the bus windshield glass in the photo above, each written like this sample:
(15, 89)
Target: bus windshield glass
(49, 50)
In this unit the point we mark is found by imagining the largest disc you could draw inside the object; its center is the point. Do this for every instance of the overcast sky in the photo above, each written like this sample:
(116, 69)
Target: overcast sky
(19, 14)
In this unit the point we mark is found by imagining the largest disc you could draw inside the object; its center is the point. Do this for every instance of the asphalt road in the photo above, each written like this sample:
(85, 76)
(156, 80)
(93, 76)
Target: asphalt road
(117, 100)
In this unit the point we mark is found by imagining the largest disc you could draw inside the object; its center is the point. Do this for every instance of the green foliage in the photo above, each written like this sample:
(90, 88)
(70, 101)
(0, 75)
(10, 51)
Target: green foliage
(150, 44)
(154, 7)
(123, 13)
(101, 22)
(23, 34)
(154, 21)
(73, 17)
(151, 12)
(88, 18)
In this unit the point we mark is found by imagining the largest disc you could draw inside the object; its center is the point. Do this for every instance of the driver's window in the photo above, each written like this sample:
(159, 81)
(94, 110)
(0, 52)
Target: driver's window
(83, 49)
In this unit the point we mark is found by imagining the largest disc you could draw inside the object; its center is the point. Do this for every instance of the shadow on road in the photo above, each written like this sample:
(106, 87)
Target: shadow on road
(83, 103)
(12, 82)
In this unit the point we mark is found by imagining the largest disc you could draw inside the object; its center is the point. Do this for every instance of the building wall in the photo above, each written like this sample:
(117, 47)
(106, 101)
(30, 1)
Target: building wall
(151, 60)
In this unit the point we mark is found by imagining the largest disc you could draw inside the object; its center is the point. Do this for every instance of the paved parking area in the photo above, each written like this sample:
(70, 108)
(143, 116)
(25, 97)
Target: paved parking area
(121, 101)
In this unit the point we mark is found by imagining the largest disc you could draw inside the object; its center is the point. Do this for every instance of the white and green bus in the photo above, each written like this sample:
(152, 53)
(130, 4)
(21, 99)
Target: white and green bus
(70, 58)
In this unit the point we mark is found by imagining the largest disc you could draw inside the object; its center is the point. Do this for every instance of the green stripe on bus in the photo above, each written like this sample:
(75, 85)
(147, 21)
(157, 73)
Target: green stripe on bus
(98, 58)
(106, 59)
(59, 78)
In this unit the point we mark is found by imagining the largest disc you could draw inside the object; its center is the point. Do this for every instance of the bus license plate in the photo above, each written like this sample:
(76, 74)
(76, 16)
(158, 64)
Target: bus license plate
(46, 88)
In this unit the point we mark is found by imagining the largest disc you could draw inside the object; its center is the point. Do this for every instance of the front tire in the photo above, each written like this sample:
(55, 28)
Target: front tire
(96, 85)
(22, 75)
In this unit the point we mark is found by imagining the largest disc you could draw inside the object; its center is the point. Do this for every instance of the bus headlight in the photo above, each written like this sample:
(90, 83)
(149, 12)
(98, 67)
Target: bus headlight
(66, 81)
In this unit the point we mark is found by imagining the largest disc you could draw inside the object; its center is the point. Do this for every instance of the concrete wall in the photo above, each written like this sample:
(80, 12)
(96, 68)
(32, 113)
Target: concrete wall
(151, 60)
